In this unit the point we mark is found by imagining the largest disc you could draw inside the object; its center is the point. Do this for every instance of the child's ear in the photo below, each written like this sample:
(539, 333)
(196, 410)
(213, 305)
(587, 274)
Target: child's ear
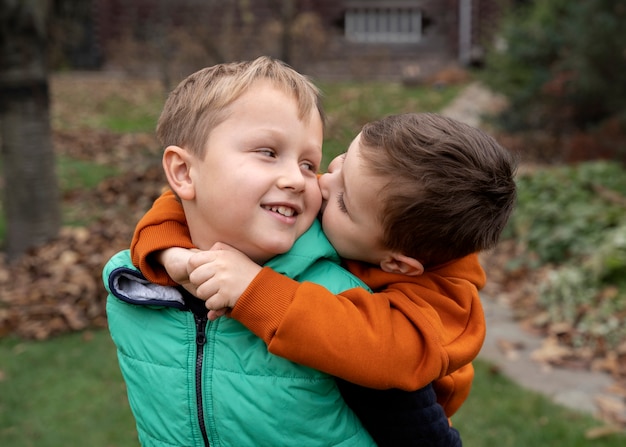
(404, 265)
(177, 166)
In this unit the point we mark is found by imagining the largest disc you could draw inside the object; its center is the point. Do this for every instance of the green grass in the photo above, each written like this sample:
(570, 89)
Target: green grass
(121, 115)
(74, 174)
(105, 103)
(68, 391)
(499, 413)
(77, 175)
(349, 105)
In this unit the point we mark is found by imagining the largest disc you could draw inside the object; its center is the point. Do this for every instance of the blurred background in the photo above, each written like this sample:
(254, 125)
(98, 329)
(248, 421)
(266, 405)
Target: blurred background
(82, 83)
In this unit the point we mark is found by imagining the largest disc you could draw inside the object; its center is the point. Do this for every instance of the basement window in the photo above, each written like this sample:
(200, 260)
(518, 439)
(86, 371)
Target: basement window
(383, 24)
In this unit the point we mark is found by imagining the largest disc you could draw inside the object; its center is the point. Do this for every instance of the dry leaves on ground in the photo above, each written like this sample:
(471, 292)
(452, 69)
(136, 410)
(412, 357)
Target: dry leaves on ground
(58, 287)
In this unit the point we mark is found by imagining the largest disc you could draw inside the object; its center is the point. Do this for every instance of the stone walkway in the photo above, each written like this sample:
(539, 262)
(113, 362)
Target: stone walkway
(472, 103)
(574, 389)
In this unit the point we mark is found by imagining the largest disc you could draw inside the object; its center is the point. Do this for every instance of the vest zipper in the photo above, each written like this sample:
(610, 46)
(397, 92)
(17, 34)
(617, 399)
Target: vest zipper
(201, 323)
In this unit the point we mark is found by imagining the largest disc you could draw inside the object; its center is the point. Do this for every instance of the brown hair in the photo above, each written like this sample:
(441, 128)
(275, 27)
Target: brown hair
(451, 187)
(200, 102)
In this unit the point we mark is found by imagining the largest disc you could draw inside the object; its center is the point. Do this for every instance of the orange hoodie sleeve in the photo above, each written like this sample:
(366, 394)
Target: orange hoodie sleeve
(414, 331)
(452, 390)
(163, 226)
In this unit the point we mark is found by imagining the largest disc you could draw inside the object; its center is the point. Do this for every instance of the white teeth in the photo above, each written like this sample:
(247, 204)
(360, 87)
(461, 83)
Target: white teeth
(284, 210)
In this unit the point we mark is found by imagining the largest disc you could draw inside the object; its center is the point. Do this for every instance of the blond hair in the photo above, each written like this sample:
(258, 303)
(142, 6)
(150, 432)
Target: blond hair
(201, 101)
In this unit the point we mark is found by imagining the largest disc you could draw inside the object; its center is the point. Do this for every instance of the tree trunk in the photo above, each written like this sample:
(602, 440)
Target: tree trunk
(31, 197)
(288, 14)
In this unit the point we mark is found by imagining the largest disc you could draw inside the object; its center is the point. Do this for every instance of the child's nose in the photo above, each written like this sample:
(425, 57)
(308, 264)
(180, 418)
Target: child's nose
(292, 178)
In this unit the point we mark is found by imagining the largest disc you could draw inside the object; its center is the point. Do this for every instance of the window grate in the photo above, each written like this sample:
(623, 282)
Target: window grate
(383, 25)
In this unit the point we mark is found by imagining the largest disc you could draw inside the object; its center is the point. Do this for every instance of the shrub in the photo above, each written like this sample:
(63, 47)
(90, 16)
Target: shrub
(561, 64)
(572, 218)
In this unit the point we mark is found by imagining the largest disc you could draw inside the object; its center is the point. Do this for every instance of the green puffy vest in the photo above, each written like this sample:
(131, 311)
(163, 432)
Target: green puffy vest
(192, 382)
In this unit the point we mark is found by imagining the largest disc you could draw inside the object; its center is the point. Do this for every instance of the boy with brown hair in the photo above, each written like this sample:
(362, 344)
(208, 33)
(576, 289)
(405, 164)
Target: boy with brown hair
(407, 207)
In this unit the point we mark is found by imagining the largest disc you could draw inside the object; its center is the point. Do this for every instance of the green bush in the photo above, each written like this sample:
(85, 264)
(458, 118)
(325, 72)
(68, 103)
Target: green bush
(573, 219)
(561, 213)
(561, 64)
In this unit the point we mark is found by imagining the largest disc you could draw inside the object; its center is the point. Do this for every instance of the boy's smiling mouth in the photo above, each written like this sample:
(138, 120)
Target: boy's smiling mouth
(281, 209)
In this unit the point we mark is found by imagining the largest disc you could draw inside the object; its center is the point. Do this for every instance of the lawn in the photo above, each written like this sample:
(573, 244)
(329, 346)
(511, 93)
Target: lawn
(67, 391)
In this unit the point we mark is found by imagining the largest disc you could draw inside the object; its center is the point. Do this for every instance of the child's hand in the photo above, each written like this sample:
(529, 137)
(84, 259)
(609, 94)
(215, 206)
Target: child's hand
(220, 276)
(174, 260)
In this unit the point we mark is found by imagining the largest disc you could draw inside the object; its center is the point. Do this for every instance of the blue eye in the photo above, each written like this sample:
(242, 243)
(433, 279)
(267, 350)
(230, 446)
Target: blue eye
(341, 203)
(308, 166)
(268, 152)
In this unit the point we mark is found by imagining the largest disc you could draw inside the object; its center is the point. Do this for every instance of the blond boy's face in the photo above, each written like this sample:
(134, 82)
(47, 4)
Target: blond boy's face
(351, 206)
(256, 188)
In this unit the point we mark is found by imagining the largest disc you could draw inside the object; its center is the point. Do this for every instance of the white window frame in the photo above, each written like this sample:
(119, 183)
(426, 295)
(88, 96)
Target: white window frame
(383, 24)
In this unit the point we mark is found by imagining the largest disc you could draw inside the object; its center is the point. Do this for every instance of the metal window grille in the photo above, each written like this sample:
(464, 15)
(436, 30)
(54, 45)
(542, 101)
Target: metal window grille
(383, 25)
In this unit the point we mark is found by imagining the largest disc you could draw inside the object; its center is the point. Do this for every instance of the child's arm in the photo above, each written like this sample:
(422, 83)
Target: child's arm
(392, 339)
(162, 227)
(358, 336)
(221, 274)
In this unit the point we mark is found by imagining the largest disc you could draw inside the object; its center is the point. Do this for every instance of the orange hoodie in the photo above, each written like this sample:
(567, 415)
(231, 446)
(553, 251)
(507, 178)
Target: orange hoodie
(412, 331)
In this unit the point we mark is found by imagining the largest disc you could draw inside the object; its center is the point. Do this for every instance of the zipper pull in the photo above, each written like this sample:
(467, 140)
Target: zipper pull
(200, 327)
